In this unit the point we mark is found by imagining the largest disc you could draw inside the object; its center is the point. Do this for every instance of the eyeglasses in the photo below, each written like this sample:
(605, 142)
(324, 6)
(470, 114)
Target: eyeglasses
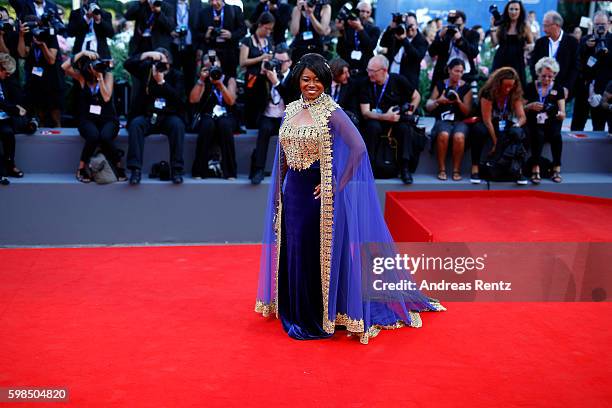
(373, 71)
(365, 11)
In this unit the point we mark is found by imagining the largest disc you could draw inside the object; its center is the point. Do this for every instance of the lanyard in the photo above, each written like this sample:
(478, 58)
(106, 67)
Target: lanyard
(503, 113)
(91, 27)
(336, 94)
(382, 92)
(219, 95)
(265, 49)
(94, 90)
(37, 54)
(221, 16)
(1, 93)
(307, 23)
(550, 49)
(150, 21)
(357, 42)
(543, 97)
(446, 85)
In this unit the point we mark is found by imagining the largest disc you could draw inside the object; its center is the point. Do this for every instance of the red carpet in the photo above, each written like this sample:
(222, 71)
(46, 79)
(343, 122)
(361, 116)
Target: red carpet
(497, 216)
(174, 327)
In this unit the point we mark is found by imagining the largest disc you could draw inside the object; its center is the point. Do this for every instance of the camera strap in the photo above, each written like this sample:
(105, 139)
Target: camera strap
(37, 54)
(382, 92)
(220, 15)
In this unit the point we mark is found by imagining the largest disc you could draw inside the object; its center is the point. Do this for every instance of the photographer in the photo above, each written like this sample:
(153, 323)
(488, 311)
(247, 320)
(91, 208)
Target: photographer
(451, 102)
(91, 26)
(153, 25)
(596, 68)
(454, 41)
(160, 110)
(405, 47)
(512, 34)
(344, 90)
(44, 88)
(254, 51)
(561, 47)
(606, 105)
(271, 113)
(221, 27)
(10, 113)
(387, 104)
(545, 113)
(184, 38)
(98, 121)
(359, 36)
(36, 8)
(309, 23)
(503, 117)
(282, 16)
(215, 94)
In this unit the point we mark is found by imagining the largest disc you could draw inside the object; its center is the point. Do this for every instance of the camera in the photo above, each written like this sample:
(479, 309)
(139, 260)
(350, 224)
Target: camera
(216, 32)
(161, 66)
(155, 3)
(6, 26)
(600, 38)
(94, 9)
(551, 109)
(497, 17)
(451, 30)
(42, 33)
(181, 31)
(405, 116)
(312, 3)
(272, 65)
(398, 18)
(215, 73)
(452, 17)
(50, 20)
(102, 65)
(450, 94)
(348, 12)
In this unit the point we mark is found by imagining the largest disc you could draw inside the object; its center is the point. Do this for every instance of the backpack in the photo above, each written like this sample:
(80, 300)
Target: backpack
(101, 170)
(385, 163)
(161, 171)
(507, 161)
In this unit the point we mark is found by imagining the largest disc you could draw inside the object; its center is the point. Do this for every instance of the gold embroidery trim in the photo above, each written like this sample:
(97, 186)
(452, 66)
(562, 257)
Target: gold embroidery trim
(301, 145)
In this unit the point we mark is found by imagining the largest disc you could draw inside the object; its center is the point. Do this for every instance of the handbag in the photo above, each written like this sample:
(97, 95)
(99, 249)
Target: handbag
(101, 170)
(385, 163)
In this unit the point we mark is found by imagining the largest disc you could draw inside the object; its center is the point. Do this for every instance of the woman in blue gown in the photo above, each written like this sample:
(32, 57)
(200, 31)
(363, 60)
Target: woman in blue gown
(324, 225)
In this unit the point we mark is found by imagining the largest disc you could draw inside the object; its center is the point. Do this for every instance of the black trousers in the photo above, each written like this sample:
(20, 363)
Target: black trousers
(170, 125)
(100, 133)
(216, 131)
(540, 134)
(268, 127)
(185, 60)
(581, 106)
(479, 137)
(7, 135)
(407, 142)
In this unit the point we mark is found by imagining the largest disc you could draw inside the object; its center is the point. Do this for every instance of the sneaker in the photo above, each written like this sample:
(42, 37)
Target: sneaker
(521, 180)
(475, 178)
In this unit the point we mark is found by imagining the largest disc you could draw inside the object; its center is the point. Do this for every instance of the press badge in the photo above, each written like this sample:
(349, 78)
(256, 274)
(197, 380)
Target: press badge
(38, 71)
(356, 55)
(219, 111)
(541, 118)
(95, 109)
(591, 62)
(377, 110)
(4, 116)
(160, 103)
(147, 33)
(307, 35)
(450, 116)
(502, 125)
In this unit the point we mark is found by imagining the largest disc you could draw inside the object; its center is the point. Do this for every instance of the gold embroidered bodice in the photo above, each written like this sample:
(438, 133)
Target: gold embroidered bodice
(301, 145)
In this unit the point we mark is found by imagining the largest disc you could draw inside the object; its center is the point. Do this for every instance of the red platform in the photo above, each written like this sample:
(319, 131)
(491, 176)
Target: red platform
(497, 216)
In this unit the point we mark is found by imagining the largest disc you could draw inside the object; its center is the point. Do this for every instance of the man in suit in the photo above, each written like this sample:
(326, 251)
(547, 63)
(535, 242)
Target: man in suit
(91, 26)
(153, 23)
(406, 48)
(184, 38)
(220, 27)
(561, 47)
(344, 89)
(272, 111)
(33, 8)
(454, 41)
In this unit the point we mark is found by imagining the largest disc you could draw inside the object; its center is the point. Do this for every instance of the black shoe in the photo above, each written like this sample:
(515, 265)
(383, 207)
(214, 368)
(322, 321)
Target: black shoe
(4, 181)
(177, 178)
(521, 180)
(475, 178)
(135, 177)
(406, 176)
(121, 175)
(257, 177)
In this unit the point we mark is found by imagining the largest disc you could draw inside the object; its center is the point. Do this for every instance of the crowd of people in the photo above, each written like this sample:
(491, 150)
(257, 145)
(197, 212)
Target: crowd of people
(206, 69)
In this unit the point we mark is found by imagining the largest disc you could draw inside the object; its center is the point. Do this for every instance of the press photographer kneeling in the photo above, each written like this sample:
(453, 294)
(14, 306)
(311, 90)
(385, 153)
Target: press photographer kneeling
(98, 121)
(161, 110)
(215, 96)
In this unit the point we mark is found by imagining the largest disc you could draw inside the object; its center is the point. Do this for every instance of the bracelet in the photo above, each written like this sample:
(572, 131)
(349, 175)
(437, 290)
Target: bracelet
(200, 82)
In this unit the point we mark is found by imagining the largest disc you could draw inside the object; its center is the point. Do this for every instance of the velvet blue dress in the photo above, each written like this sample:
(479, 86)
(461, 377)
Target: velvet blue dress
(317, 253)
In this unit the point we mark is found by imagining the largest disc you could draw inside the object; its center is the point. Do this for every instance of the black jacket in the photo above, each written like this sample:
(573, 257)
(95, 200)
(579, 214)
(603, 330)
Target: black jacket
(13, 96)
(282, 15)
(414, 52)
(78, 28)
(25, 8)
(567, 57)
(441, 48)
(173, 89)
(233, 20)
(163, 24)
(601, 71)
(368, 38)
(195, 6)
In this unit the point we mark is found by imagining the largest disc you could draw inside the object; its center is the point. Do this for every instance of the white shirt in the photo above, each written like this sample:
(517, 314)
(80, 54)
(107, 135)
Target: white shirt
(182, 19)
(40, 9)
(553, 46)
(276, 105)
(90, 43)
